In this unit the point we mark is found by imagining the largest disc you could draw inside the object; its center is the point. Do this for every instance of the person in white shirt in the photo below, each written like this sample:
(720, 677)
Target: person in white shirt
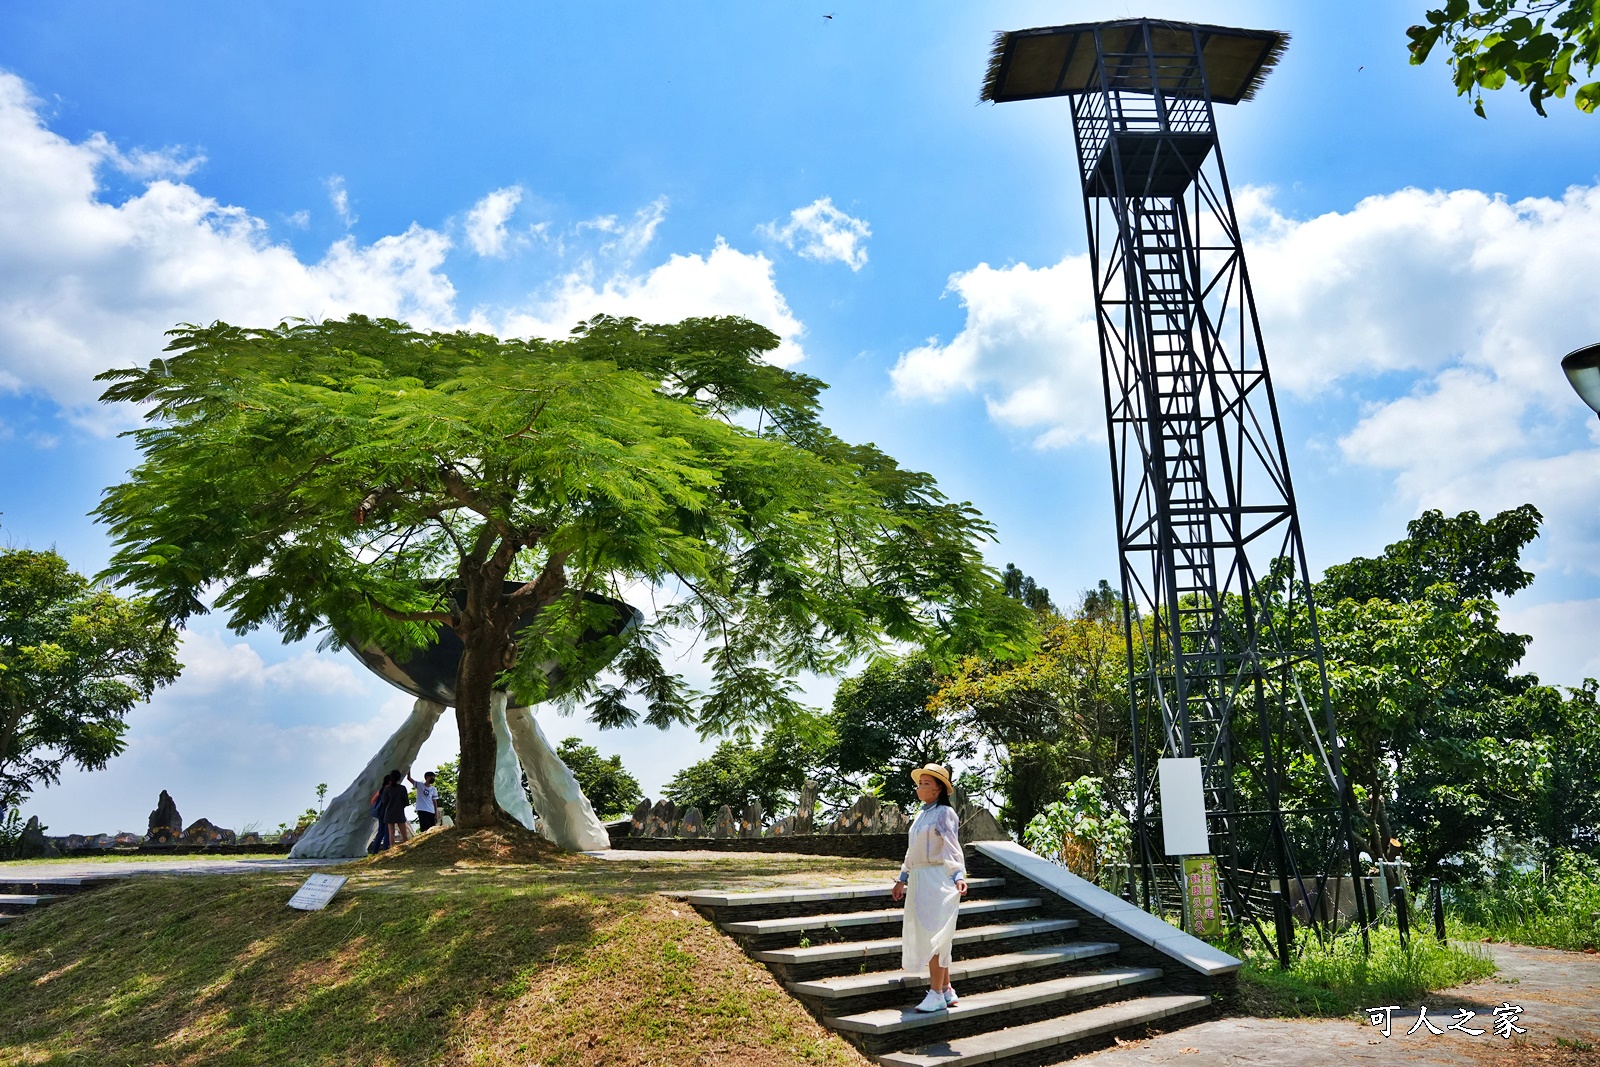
(933, 880)
(427, 804)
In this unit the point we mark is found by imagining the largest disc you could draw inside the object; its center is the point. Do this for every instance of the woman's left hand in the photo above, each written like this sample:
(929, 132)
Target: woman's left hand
(961, 886)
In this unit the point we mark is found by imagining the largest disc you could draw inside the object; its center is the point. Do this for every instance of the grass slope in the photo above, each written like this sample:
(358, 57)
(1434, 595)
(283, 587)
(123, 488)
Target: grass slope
(563, 961)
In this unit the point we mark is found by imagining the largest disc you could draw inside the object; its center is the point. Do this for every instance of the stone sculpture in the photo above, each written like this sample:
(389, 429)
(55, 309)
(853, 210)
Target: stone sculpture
(165, 815)
(806, 810)
(750, 822)
(727, 826)
(662, 821)
(33, 845)
(693, 825)
(640, 814)
(203, 832)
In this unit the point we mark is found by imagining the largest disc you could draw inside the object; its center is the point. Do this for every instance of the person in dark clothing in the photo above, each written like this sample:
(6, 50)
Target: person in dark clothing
(379, 805)
(394, 810)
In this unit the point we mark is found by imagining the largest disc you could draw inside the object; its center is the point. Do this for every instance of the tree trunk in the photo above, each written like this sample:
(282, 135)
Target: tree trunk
(484, 636)
(475, 803)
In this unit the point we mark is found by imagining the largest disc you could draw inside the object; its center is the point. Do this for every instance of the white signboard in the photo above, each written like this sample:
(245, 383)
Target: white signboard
(1183, 808)
(318, 890)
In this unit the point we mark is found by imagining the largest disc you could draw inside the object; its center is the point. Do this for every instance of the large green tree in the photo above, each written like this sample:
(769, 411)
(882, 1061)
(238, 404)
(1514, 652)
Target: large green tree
(1054, 715)
(377, 483)
(881, 727)
(74, 660)
(1448, 746)
(1540, 45)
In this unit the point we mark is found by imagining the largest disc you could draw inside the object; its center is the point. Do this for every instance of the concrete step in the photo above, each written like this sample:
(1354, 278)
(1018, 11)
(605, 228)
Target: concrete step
(892, 946)
(1013, 998)
(895, 916)
(15, 902)
(1028, 959)
(887, 946)
(713, 898)
(25, 886)
(1046, 1033)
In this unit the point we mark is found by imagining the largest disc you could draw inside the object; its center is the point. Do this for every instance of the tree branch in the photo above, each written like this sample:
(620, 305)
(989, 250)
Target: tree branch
(410, 616)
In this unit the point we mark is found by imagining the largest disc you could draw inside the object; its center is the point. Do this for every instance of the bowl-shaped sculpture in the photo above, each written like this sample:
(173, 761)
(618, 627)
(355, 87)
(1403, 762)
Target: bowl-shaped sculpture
(430, 673)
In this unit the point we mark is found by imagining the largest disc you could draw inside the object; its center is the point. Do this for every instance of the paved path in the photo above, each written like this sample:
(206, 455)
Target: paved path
(175, 865)
(1559, 993)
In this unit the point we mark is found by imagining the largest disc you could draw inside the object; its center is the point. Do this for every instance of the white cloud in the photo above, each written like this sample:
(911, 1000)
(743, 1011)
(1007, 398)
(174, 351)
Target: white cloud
(628, 239)
(86, 285)
(143, 163)
(486, 222)
(823, 232)
(339, 197)
(214, 666)
(1029, 347)
(723, 282)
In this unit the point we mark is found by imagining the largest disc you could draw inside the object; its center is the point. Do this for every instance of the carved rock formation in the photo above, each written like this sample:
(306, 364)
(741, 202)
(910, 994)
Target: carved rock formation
(166, 814)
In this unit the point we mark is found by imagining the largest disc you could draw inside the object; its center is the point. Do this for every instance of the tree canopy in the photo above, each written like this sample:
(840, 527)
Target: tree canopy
(375, 482)
(74, 660)
(1535, 44)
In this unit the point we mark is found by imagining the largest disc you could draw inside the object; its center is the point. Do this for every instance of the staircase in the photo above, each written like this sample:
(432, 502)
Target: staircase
(21, 894)
(1041, 978)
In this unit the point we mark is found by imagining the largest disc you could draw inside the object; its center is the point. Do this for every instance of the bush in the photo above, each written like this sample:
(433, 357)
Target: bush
(1335, 977)
(1556, 904)
(1083, 833)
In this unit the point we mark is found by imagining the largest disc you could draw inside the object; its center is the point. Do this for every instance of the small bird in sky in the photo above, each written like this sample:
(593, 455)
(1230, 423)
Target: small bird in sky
(827, 16)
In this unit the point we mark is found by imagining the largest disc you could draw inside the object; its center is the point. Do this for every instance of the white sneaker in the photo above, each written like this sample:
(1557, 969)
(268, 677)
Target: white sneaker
(949, 996)
(932, 1002)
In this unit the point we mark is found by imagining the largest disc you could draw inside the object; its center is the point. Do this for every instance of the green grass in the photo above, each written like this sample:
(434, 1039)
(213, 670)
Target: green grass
(584, 962)
(1336, 978)
(1556, 906)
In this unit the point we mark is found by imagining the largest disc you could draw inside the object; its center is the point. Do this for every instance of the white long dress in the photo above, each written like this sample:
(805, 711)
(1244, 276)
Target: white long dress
(934, 863)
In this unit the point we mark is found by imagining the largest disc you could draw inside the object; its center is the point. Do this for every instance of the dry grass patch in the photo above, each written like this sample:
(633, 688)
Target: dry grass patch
(658, 985)
(470, 963)
(495, 846)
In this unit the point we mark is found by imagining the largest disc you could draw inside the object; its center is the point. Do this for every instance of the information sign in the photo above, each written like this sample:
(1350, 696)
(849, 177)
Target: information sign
(1203, 894)
(318, 890)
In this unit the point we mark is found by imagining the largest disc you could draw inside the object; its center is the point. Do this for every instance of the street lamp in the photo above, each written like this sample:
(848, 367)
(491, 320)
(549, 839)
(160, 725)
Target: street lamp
(1583, 371)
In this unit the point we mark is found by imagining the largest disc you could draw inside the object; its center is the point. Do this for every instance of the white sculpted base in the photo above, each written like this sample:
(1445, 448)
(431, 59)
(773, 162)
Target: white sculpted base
(565, 815)
(507, 772)
(347, 825)
(520, 746)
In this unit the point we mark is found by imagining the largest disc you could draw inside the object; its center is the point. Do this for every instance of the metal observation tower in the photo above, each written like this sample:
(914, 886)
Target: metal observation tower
(1224, 656)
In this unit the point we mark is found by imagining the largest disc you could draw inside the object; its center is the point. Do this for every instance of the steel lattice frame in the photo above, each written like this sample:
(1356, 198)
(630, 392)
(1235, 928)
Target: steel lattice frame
(1222, 635)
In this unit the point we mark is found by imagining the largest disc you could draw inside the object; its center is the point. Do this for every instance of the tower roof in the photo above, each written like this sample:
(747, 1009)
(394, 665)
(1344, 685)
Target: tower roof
(1060, 60)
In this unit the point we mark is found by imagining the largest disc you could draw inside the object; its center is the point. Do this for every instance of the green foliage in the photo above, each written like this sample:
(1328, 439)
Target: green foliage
(375, 483)
(1019, 586)
(1083, 832)
(1555, 903)
(1056, 714)
(611, 790)
(1536, 44)
(736, 773)
(882, 728)
(1447, 747)
(74, 660)
(10, 833)
(1337, 978)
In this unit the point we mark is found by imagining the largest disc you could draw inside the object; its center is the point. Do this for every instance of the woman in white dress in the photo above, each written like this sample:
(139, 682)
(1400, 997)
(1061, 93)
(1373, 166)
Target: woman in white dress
(933, 880)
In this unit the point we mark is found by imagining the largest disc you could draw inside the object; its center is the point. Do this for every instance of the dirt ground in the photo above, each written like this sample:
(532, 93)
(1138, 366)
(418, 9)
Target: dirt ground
(1559, 993)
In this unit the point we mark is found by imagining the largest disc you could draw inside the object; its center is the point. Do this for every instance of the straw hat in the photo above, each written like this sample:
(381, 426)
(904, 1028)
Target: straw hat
(937, 771)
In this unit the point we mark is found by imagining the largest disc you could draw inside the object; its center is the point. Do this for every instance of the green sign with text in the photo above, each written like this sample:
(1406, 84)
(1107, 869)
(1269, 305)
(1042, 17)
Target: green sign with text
(1203, 894)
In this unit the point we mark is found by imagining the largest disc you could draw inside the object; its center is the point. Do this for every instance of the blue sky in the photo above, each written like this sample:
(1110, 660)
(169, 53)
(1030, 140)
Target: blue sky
(516, 166)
